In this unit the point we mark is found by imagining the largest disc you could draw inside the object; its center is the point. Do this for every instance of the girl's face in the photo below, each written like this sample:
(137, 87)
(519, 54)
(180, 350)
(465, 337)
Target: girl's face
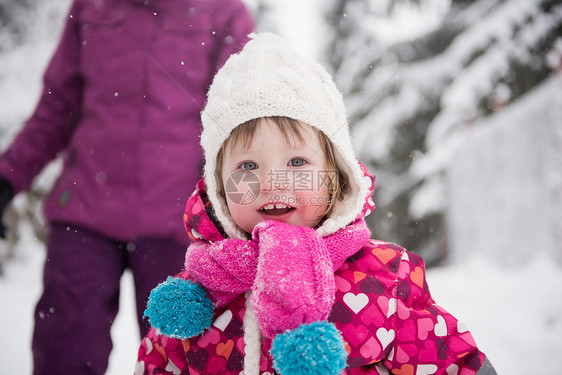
(274, 179)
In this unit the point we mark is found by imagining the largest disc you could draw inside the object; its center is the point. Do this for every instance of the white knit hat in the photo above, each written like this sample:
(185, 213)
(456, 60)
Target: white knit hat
(269, 78)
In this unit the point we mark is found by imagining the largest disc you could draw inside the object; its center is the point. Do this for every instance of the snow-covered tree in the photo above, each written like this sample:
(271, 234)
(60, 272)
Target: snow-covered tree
(415, 74)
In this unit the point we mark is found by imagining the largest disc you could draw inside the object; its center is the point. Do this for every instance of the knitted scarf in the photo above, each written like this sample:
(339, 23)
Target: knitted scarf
(289, 269)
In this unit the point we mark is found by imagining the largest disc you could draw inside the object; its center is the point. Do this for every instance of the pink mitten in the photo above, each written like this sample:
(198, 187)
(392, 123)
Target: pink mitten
(225, 268)
(295, 281)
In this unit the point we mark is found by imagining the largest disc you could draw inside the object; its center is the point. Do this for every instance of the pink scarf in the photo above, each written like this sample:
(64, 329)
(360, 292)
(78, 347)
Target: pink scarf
(289, 269)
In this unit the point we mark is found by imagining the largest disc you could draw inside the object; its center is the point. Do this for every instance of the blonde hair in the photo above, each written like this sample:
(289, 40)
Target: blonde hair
(338, 182)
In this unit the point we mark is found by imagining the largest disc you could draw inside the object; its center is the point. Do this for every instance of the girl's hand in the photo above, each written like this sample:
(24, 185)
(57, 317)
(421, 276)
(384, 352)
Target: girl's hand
(294, 281)
(293, 295)
(226, 268)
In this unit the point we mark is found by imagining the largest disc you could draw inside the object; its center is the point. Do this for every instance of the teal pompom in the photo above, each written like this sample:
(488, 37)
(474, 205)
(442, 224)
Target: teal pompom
(311, 349)
(179, 308)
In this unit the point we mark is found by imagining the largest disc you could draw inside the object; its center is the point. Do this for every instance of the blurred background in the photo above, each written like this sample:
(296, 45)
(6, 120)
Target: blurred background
(455, 106)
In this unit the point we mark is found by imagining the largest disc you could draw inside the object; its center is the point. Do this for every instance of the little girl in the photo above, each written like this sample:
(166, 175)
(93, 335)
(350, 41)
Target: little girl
(282, 276)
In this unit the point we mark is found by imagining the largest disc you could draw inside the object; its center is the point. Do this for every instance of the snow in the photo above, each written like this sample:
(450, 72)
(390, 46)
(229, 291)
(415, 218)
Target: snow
(505, 179)
(514, 314)
(292, 19)
(460, 77)
(407, 19)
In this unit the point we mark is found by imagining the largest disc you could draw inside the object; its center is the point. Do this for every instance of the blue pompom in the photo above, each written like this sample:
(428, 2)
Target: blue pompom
(311, 349)
(179, 308)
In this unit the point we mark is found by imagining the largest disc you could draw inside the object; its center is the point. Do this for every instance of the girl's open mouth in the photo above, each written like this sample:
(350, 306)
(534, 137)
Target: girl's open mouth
(276, 209)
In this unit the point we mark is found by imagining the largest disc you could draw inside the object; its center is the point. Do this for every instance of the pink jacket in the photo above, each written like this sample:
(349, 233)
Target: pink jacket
(383, 310)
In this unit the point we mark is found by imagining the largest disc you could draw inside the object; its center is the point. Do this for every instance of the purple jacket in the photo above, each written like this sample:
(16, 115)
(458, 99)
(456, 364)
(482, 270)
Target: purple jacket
(121, 101)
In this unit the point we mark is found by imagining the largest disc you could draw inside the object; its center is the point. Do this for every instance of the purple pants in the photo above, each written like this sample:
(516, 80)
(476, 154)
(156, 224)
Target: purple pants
(81, 295)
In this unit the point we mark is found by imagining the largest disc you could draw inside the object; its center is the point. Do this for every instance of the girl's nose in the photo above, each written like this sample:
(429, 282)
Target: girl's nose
(275, 180)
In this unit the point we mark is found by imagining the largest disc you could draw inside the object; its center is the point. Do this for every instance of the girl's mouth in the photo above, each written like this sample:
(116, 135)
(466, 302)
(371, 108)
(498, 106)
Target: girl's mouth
(276, 209)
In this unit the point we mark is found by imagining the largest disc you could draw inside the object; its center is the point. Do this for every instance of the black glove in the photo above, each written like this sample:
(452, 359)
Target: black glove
(6, 195)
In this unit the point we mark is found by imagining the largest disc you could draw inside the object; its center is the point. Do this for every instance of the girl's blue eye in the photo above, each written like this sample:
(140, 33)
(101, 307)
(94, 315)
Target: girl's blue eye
(248, 165)
(297, 162)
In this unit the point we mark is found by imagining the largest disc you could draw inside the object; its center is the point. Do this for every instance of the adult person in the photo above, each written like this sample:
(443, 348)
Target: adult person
(121, 103)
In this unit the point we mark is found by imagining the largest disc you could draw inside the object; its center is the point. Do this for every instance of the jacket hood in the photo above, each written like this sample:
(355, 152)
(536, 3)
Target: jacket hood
(201, 222)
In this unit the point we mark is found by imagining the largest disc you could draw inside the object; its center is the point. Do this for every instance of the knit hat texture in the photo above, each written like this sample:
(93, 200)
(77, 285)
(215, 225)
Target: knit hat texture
(269, 78)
